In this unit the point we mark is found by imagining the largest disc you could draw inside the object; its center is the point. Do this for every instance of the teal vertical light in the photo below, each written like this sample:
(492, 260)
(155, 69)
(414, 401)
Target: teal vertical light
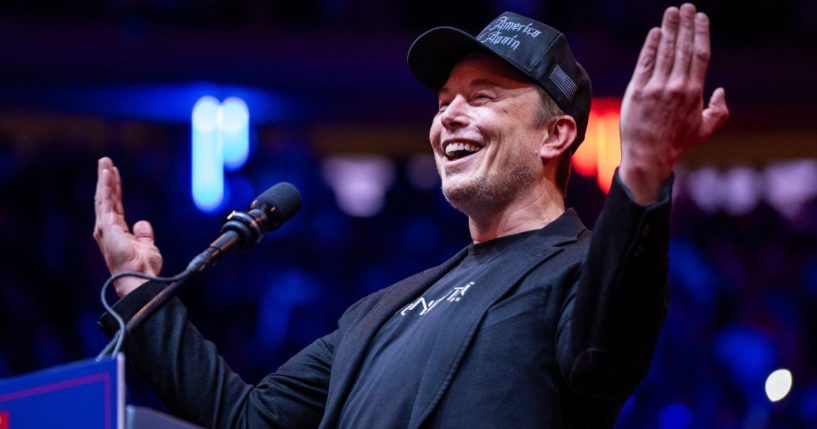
(207, 155)
(236, 131)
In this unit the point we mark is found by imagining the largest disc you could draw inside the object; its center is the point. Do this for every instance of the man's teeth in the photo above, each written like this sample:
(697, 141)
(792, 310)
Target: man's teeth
(458, 150)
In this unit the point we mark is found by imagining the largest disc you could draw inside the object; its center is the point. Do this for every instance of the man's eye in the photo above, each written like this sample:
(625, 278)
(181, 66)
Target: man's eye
(483, 97)
(443, 105)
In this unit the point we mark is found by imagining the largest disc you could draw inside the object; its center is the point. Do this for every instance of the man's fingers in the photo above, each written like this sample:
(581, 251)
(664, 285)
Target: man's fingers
(107, 203)
(715, 114)
(701, 49)
(143, 231)
(646, 59)
(685, 42)
(117, 192)
(102, 198)
(105, 162)
(98, 195)
(666, 48)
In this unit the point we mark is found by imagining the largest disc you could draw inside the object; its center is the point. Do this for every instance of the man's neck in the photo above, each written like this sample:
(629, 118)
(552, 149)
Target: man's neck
(526, 213)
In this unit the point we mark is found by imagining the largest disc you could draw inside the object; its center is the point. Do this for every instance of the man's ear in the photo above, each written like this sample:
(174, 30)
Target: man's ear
(561, 133)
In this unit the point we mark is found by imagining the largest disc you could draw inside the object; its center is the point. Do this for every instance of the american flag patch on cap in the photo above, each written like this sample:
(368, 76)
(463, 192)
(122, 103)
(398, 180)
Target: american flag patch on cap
(563, 82)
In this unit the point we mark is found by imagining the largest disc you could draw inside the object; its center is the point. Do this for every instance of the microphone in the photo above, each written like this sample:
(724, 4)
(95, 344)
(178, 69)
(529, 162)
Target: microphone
(243, 231)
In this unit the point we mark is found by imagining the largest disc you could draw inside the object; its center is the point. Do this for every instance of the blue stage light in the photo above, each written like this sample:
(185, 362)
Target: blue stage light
(207, 155)
(236, 132)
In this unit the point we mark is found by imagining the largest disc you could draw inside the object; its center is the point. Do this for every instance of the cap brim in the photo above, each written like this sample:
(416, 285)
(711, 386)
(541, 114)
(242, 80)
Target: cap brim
(433, 55)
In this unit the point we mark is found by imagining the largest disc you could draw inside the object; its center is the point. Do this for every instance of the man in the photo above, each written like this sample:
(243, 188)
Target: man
(533, 325)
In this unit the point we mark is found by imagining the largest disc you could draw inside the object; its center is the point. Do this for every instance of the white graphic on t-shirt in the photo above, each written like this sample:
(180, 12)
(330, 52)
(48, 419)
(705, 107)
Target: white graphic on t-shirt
(459, 292)
(454, 295)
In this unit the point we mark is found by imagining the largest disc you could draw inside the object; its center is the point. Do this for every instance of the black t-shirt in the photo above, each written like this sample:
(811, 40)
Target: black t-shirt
(388, 380)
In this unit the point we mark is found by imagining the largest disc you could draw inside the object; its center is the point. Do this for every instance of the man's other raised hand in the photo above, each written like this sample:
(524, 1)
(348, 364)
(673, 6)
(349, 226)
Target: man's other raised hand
(663, 111)
(123, 249)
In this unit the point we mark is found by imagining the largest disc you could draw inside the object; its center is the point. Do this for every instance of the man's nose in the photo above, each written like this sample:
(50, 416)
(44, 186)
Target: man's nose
(455, 114)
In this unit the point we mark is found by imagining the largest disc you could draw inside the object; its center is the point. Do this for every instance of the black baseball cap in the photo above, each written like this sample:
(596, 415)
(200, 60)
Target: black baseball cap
(537, 50)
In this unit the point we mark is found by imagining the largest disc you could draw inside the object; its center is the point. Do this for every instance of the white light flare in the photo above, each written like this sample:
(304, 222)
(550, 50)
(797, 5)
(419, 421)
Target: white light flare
(360, 182)
(778, 384)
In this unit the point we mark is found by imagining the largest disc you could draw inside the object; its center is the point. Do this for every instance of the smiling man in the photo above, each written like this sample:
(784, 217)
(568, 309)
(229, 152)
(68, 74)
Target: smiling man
(498, 140)
(538, 322)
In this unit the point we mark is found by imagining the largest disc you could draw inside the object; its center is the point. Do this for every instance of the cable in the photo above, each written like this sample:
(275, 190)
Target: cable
(119, 338)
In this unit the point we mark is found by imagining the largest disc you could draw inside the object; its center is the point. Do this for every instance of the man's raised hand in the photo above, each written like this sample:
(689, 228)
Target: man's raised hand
(663, 112)
(122, 249)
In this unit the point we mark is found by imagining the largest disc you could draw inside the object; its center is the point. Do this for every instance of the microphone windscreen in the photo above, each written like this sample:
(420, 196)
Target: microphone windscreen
(284, 197)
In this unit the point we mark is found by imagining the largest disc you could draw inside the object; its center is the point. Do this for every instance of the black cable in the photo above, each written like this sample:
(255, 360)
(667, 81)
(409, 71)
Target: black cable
(119, 338)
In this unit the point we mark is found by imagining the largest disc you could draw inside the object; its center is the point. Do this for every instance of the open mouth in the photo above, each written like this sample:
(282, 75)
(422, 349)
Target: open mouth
(457, 150)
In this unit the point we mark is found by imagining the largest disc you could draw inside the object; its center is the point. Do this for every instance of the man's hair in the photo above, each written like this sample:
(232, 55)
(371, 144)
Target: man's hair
(548, 109)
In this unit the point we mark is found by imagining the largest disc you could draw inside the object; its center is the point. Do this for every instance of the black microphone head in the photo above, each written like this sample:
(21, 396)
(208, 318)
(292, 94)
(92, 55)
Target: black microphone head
(268, 212)
(283, 198)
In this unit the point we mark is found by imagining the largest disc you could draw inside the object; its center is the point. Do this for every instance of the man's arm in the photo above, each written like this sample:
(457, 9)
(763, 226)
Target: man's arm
(187, 373)
(612, 318)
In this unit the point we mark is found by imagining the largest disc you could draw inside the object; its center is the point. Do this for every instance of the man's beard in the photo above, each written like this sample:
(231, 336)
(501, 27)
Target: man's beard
(487, 194)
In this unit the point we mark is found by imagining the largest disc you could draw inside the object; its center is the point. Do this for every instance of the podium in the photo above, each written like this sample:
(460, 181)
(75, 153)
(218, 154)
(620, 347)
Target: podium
(80, 395)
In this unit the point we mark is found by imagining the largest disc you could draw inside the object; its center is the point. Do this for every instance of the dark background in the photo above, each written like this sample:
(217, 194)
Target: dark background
(327, 80)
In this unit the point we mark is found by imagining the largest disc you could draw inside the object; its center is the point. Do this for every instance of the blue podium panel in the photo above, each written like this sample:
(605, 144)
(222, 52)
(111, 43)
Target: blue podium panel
(86, 394)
